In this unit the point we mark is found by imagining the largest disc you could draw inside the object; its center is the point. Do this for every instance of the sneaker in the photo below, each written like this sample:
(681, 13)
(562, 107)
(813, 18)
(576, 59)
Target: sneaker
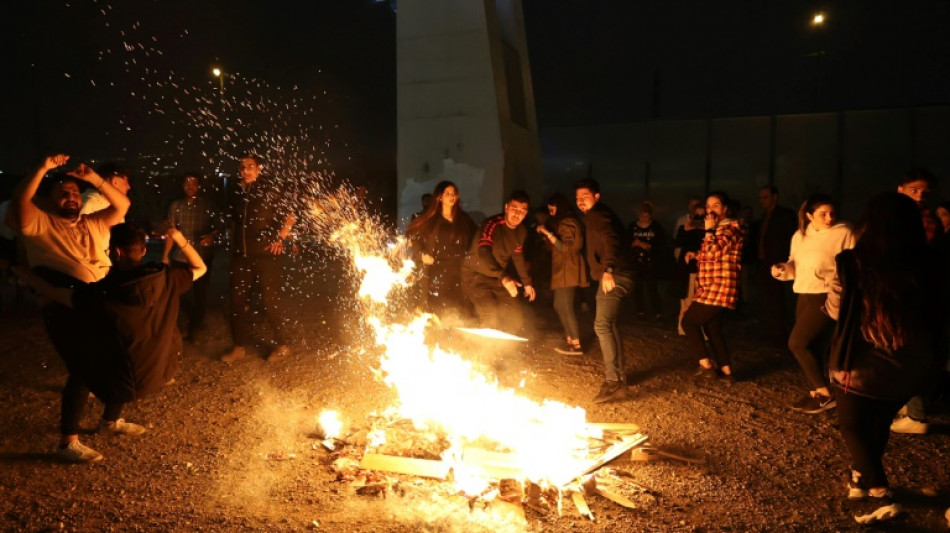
(856, 488)
(611, 391)
(818, 403)
(77, 452)
(280, 353)
(569, 349)
(121, 427)
(236, 354)
(703, 373)
(802, 402)
(877, 509)
(906, 424)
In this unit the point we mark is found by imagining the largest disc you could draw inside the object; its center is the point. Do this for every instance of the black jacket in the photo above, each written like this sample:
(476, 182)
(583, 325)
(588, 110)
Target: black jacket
(604, 242)
(137, 346)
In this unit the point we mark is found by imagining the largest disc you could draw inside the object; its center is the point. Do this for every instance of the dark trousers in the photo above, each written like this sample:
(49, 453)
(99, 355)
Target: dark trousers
(495, 308)
(564, 306)
(75, 394)
(701, 317)
(67, 330)
(267, 271)
(194, 302)
(772, 302)
(811, 326)
(865, 425)
(646, 286)
(605, 326)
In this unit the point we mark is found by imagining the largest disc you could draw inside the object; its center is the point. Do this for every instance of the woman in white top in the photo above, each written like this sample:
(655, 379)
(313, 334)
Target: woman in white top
(811, 263)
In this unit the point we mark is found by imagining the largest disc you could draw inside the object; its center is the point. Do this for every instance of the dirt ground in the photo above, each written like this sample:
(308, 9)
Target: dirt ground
(203, 464)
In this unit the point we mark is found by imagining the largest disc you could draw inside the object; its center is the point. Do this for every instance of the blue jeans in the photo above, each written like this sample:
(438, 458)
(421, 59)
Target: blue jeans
(605, 326)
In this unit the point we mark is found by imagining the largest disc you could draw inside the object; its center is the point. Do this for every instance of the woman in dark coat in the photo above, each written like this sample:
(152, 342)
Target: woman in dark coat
(439, 239)
(565, 238)
(888, 299)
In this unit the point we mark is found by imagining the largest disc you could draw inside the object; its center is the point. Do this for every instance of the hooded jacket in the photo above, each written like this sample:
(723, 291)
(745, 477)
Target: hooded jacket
(137, 348)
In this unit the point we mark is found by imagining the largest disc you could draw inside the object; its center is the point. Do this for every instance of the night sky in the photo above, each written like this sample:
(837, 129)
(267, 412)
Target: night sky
(592, 62)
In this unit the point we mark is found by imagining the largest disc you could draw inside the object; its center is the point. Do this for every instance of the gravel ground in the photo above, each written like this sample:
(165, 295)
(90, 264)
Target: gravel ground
(203, 464)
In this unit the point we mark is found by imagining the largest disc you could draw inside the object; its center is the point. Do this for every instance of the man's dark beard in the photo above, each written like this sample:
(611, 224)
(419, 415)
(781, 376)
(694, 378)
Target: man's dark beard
(68, 212)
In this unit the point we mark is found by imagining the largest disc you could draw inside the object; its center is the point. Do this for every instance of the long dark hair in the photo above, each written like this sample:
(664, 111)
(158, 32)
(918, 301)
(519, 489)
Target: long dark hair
(809, 207)
(424, 222)
(563, 209)
(890, 250)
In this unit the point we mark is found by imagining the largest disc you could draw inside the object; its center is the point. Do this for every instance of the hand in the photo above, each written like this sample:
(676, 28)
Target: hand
(777, 270)
(607, 282)
(166, 260)
(87, 174)
(710, 221)
(206, 240)
(511, 286)
(276, 247)
(54, 161)
(427, 259)
(529, 292)
(689, 256)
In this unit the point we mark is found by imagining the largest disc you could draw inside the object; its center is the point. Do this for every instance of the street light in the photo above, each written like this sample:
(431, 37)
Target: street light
(218, 73)
(818, 19)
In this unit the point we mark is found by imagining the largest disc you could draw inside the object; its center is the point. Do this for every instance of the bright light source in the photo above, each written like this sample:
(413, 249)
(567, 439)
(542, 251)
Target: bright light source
(818, 19)
(216, 71)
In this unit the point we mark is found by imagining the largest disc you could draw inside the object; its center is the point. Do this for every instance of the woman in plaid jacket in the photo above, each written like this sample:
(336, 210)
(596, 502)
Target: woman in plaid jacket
(717, 286)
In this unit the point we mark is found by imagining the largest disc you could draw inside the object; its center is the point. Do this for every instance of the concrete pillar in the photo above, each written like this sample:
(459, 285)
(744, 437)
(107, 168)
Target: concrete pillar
(465, 105)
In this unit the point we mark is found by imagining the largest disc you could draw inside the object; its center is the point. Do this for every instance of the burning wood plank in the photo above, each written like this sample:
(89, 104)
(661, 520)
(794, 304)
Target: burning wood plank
(616, 451)
(497, 465)
(405, 465)
(581, 505)
(614, 497)
(615, 427)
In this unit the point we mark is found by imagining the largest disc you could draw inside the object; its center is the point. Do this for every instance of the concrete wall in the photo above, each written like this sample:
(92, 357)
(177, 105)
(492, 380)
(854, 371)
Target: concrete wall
(851, 155)
(453, 116)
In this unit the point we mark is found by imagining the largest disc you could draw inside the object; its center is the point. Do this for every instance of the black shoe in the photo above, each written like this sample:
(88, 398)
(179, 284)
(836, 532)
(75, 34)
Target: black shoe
(818, 404)
(569, 349)
(703, 373)
(611, 391)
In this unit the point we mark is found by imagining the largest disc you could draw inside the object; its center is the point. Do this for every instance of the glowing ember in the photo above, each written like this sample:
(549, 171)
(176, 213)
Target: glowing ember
(330, 425)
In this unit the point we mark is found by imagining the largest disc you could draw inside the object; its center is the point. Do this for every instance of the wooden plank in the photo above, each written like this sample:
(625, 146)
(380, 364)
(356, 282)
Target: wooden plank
(405, 465)
(581, 505)
(611, 426)
(614, 497)
(496, 465)
(615, 451)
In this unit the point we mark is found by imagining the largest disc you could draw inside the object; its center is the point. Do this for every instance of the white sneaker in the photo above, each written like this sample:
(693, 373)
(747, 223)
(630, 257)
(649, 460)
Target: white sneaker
(906, 424)
(121, 427)
(77, 452)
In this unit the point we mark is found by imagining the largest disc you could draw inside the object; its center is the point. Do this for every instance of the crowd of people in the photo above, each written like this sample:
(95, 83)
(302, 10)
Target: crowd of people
(869, 330)
(870, 333)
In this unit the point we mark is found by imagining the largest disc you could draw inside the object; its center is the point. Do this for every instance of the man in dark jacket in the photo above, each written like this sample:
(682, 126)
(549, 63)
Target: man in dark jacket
(489, 284)
(135, 347)
(774, 238)
(261, 223)
(610, 266)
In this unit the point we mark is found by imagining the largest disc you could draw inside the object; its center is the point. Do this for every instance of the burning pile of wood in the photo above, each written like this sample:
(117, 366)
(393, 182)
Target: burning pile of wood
(393, 457)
